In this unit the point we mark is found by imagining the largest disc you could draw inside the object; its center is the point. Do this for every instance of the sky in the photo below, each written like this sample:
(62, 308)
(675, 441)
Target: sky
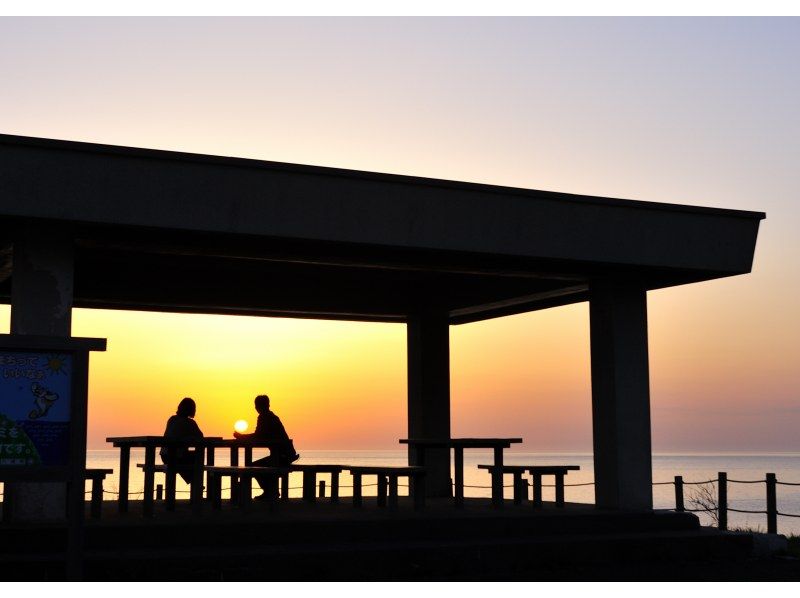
(701, 111)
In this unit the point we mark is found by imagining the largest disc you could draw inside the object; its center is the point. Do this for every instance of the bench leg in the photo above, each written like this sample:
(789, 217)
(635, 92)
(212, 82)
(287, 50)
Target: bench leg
(309, 485)
(393, 491)
(97, 497)
(149, 475)
(245, 490)
(497, 478)
(537, 490)
(335, 487)
(381, 490)
(170, 488)
(518, 488)
(357, 501)
(124, 465)
(215, 490)
(560, 490)
(285, 486)
(458, 464)
(196, 489)
(235, 490)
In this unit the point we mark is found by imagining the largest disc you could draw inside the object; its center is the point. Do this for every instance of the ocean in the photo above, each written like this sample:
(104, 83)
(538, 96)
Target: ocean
(693, 468)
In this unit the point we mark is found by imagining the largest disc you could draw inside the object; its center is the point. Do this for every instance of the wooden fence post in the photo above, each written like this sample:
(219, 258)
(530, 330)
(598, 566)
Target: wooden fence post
(322, 488)
(722, 500)
(159, 492)
(772, 504)
(679, 493)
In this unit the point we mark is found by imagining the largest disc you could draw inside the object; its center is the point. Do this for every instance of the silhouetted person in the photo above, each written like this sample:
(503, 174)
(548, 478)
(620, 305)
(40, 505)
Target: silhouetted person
(281, 454)
(182, 426)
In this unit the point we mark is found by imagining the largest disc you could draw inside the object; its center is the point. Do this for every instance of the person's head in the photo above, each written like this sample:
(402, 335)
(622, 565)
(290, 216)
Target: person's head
(186, 408)
(262, 403)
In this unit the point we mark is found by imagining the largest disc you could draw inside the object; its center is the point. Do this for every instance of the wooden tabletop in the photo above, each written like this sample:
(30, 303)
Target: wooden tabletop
(372, 469)
(145, 441)
(461, 442)
(251, 442)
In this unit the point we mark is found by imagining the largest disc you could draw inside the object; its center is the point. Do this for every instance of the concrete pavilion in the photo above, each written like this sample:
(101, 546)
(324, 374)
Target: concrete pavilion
(94, 226)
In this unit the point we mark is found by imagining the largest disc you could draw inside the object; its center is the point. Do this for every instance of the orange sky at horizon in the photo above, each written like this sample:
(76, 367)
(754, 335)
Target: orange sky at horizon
(342, 385)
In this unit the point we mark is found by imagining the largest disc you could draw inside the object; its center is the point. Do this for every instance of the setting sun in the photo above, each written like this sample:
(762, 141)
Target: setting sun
(240, 426)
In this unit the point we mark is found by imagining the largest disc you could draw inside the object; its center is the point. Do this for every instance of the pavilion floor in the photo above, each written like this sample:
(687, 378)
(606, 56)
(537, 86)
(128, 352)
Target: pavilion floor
(323, 541)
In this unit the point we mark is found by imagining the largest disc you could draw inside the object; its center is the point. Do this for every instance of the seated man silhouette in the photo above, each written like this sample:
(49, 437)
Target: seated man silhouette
(182, 426)
(281, 454)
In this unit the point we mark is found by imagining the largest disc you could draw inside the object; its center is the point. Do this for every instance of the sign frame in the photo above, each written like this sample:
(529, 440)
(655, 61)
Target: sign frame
(74, 473)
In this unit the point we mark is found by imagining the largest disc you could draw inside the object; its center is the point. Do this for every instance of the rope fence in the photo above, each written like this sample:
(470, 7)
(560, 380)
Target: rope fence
(717, 504)
(713, 501)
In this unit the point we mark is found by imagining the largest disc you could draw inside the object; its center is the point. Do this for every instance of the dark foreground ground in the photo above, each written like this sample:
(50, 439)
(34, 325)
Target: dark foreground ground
(323, 542)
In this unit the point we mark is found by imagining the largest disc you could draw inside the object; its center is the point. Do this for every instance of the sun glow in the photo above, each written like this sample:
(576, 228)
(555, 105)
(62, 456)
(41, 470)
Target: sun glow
(240, 426)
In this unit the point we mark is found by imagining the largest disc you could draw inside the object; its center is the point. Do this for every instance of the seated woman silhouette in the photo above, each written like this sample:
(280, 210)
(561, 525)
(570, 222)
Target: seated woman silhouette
(182, 426)
(281, 454)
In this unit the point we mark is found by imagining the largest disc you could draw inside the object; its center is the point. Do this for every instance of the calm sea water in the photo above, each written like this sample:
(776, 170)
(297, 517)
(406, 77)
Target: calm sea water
(693, 468)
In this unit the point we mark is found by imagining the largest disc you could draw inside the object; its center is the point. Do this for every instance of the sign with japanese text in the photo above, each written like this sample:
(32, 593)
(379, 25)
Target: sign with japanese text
(35, 396)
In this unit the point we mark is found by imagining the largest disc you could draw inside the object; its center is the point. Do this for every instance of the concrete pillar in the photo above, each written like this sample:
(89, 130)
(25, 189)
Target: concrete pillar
(429, 394)
(620, 396)
(41, 304)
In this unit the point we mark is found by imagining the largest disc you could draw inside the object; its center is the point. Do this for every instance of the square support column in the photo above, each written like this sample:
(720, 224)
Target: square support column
(41, 304)
(429, 394)
(620, 396)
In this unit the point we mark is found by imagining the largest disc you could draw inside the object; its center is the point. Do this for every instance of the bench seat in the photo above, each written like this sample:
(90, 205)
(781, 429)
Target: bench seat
(242, 482)
(97, 476)
(247, 472)
(388, 476)
(169, 490)
(536, 471)
(519, 484)
(310, 472)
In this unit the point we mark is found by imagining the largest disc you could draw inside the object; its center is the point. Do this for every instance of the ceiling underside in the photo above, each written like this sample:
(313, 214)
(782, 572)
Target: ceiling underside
(131, 269)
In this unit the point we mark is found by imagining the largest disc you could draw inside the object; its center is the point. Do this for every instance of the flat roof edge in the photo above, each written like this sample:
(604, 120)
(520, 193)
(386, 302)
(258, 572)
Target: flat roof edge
(159, 154)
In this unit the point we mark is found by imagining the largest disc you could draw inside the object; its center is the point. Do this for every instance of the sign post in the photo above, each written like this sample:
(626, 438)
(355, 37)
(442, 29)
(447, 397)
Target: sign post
(44, 385)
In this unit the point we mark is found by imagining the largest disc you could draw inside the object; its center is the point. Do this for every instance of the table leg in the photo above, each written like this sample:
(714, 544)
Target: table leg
(215, 490)
(381, 490)
(285, 486)
(458, 464)
(393, 491)
(234, 479)
(309, 486)
(196, 491)
(149, 480)
(210, 461)
(497, 478)
(357, 490)
(518, 487)
(124, 465)
(170, 482)
(537, 491)
(334, 486)
(560, 490)
(97, 497)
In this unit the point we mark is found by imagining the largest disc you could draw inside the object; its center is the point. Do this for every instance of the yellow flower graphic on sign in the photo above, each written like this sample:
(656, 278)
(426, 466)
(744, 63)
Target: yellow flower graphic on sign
(56, 364)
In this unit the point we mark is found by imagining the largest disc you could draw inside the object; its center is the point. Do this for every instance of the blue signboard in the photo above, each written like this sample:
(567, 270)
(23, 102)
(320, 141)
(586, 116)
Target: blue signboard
(35, 395)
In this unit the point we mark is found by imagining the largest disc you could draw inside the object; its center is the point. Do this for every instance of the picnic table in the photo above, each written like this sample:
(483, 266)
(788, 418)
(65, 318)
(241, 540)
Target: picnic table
(498, 445)
(204, 455)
